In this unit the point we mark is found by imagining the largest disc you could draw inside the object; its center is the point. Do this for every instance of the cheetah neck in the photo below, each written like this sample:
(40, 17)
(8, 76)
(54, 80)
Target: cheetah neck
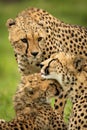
(74, 91)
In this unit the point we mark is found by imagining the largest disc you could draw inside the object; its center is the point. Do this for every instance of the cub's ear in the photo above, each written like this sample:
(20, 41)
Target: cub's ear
(79, 63)
(10, 22)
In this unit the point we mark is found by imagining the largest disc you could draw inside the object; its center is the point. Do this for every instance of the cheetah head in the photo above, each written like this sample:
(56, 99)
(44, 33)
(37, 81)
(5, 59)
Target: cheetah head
(64, 68)
(31, 34)
(27, 39)
(38, 91)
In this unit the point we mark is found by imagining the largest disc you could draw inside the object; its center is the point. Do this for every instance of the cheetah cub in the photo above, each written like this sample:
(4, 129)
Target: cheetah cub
(71, 73)
(34, 111)
(24, 98)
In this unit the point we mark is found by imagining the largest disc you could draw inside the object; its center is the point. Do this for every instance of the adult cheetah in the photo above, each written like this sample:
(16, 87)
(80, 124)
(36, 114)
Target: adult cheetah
(71, 73)
(35, 35)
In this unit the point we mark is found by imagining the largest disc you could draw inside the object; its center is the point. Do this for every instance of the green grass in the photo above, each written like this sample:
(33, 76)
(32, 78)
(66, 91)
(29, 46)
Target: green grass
(70, 11)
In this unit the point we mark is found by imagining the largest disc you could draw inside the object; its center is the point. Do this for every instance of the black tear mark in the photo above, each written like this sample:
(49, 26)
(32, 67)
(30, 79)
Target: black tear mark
(27, 48)
(47, 70)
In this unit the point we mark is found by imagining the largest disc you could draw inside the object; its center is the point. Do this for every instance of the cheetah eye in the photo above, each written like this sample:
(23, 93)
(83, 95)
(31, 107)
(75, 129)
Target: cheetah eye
(39, 39)
(24, 40)
(31, 92)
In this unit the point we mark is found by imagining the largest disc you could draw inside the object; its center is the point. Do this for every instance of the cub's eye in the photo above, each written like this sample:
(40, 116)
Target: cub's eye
(24, 40)
(31, 92)
(40, 38)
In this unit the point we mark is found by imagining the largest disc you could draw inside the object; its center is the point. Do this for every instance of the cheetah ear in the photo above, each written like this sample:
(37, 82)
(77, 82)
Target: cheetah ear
(79, 63)
(10, 22)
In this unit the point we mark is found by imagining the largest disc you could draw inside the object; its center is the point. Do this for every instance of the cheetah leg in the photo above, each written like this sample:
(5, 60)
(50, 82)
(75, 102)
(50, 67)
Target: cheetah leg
(60, 102)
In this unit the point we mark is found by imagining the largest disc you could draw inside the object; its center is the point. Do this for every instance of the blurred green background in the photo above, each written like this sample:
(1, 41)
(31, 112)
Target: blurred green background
(70, 11)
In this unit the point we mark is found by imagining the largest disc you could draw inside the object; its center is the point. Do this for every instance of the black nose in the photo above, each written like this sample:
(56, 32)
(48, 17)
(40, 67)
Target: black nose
(34, 53)
(41, 65)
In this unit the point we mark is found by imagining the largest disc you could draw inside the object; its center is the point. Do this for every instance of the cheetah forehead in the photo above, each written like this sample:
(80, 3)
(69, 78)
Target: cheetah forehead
(72, 62)
(25, 28)
(63, 57)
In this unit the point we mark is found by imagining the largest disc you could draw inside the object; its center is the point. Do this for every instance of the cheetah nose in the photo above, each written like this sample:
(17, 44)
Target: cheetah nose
(34, 53)
(41, 65)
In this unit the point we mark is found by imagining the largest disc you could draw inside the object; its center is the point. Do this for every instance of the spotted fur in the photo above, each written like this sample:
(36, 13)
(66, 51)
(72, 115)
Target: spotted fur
(24, 97)
(35, 35)
(33, 109)
(71, 73)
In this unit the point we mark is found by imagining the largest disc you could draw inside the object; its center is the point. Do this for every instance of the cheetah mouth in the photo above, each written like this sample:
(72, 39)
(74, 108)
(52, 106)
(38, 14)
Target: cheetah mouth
(43, 75)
